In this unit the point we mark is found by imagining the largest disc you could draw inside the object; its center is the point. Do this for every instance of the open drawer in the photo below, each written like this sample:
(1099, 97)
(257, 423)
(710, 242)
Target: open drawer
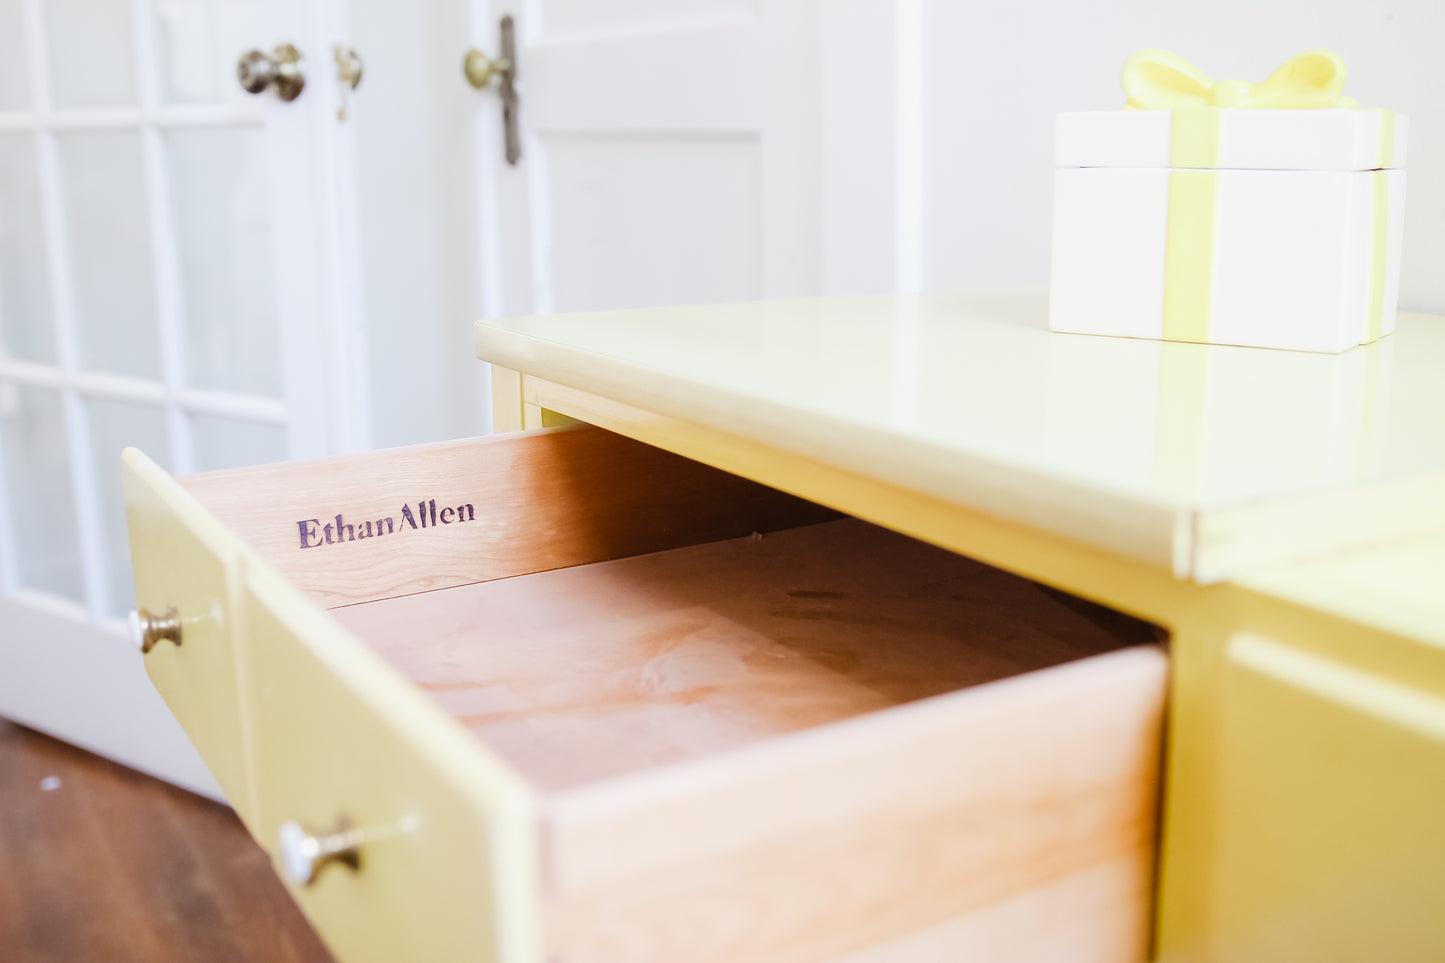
(577, 699)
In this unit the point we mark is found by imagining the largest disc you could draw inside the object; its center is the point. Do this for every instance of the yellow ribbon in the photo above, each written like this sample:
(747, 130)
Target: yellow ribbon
(1160, 80)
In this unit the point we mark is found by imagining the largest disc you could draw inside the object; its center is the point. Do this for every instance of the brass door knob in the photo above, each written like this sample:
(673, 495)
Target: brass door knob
(282, 70)
(304, 853)
(480, 69)
(147, 631)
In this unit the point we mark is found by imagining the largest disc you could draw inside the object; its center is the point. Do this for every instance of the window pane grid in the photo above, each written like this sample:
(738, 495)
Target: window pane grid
(124, 388)
(129, 118)
(9, 570)
(252, 422)
(87, 522)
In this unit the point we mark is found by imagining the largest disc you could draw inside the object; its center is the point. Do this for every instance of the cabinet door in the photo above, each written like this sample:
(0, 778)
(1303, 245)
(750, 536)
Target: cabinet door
(1331, 810)
(185, 563)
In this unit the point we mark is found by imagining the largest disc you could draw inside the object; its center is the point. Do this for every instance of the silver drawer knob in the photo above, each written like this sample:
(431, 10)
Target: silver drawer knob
(147, 630)
(304, 853)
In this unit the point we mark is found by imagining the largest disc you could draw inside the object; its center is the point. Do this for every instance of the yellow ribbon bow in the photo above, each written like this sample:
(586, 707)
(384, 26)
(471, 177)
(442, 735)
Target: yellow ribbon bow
(1160, 80)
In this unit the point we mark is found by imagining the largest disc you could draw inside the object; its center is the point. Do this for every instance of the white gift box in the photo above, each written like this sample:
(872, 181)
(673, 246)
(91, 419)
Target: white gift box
(1264, 228)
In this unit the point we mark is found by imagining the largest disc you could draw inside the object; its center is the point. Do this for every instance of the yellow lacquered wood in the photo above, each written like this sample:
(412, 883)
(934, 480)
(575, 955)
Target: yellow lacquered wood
(506, 400)
(448, 855)
(1251, 458)
(183, 558)
(1305, 765)
(531, 416)
(1399, 588)
(1147, 591)
(1331, 783)
(1212, 883)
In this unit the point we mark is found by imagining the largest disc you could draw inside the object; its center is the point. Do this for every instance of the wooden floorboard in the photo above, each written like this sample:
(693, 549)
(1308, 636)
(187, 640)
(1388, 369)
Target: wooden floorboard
(111, 865)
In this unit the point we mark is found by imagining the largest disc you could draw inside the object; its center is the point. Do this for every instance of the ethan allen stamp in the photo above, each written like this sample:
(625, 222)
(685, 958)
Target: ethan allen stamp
(314, 533)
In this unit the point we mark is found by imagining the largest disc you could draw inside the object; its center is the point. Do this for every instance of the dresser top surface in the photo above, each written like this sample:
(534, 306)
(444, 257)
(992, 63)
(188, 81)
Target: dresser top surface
(1163, 450)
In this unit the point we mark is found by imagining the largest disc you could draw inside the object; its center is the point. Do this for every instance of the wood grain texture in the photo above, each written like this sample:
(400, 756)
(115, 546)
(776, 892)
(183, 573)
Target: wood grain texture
(847, 836)
(594, 671)
(1092, 916)
(112, 865)
(536, 501)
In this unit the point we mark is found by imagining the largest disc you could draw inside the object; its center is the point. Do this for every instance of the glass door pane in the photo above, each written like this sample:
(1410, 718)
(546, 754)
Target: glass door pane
(92, 53)
(107, 233)
(200, 41)
(38, 489)
(234, 442)
(222, 224)
(14, 58)
(115, 426)
(26, 329)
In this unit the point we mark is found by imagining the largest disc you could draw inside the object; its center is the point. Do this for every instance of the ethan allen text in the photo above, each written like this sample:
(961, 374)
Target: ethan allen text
(314, 533)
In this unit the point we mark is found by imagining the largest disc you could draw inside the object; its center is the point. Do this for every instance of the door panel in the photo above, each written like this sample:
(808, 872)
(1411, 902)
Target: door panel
(669, 155)
(698, 233)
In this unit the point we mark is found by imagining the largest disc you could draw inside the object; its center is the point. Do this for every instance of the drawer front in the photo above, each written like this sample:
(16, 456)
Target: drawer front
(444, 832)
(183, 559)
(1011, 821)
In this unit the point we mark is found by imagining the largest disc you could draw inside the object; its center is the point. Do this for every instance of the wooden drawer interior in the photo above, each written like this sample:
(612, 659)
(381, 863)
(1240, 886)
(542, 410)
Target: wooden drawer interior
(755, 730)
(596, 671)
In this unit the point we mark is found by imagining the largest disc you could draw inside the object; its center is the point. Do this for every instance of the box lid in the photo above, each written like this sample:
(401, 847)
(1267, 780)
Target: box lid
(1175, 115)
(1322, 140)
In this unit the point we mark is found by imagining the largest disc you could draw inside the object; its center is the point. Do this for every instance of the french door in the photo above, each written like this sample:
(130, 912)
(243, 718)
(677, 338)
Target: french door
(176, 275)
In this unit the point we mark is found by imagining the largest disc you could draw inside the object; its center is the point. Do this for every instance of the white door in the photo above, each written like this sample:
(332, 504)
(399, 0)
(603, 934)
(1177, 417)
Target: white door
(174, 275)
(699, 151)
(668, 155)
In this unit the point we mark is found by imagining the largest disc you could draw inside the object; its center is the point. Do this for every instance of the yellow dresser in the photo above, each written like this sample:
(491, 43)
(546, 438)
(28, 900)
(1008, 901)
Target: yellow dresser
(843, 632)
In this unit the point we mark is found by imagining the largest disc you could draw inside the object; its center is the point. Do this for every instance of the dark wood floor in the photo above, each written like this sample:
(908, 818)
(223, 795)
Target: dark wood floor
(109, 865)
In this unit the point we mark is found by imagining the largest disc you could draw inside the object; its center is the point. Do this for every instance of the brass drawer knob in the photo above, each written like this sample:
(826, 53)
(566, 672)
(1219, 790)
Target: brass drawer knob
(304, 852)
(147, 630)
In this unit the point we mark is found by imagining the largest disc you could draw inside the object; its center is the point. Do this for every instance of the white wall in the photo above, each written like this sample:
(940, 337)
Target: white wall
(416, 190)
(996, 71)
